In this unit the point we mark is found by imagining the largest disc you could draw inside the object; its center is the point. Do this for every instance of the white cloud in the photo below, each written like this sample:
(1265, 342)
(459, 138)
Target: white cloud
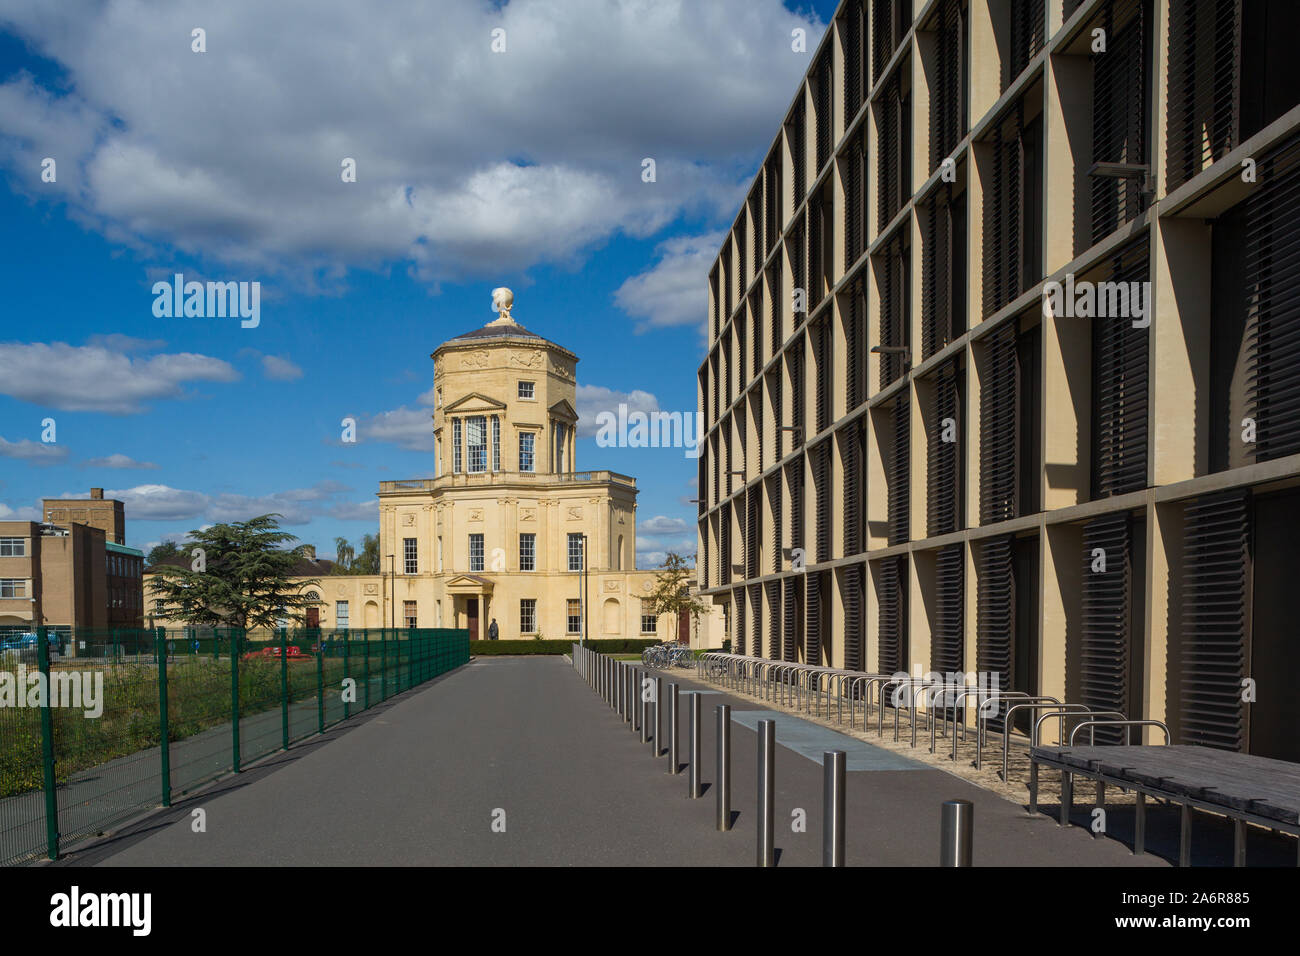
(662, 524)
(118, 460)
(19, 514)
(673, 290)
(164, 503)
(158, 502)
(279, 369)
(411, 428)
(467, 161)
(38, 453)
(594, 399)
(94, 378)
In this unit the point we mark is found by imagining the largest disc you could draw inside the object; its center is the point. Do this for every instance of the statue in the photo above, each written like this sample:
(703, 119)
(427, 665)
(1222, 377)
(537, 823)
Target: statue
(503, 301)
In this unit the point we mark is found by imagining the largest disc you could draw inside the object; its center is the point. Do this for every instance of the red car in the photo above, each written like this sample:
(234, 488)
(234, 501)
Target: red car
(292, 652)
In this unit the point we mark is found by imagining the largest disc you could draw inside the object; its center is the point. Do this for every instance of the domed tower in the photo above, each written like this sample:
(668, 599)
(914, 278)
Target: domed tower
(507, 529)
(504, 400)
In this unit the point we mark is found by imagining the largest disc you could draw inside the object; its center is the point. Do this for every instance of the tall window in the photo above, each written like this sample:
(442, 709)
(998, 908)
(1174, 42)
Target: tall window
(476, 552)
(496, 443)
(574, 616)
(528, 615)
(528, 552)
(411, 555)
(408, 613)
(649, 620)
(575, 552)
(476, 442)
(455, 446)
(341, 615)
(526, 451)
(525, 389)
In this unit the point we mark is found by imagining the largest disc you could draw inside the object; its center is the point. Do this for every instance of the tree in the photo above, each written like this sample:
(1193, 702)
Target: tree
(672, 592)
(161, 552)
(239, 577)
(349, 563)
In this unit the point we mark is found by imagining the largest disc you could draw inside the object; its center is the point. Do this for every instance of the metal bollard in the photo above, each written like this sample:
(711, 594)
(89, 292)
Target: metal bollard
(645, 709)
(659, 715)
(694, 734)
(956, 830)
(766, 793)
(724, 766)
(633, 711)
(833, 776)
(672, 727)
(629, 676)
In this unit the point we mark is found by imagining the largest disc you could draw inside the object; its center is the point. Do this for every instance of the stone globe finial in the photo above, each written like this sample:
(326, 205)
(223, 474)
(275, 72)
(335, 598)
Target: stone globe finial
(503, 301)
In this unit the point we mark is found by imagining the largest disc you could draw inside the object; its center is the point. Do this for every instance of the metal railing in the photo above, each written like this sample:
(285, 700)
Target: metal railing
(130, 719)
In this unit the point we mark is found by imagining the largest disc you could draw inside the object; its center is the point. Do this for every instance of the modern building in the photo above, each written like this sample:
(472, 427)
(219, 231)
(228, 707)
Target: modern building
(507, 528)
(71, 570)
(1002, 372)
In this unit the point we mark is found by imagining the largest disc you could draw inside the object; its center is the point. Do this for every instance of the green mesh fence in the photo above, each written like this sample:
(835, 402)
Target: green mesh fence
(99, 726)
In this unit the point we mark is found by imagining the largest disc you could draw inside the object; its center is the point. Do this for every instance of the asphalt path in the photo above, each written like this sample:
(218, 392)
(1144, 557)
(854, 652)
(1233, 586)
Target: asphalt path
(515, 761)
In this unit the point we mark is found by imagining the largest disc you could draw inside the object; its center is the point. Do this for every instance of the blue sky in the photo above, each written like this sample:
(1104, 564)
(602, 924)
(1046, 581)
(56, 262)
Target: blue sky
(474, 169)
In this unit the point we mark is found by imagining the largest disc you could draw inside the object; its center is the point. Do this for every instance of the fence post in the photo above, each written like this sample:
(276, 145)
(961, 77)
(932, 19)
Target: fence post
(47, 747)
(320, 685)
(367, 671)
(347, 671)
(234, 700)
(383, 664)
(284, 687)
(164, 749)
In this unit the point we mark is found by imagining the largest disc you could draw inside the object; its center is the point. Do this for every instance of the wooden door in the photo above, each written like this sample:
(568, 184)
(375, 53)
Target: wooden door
(471, 617)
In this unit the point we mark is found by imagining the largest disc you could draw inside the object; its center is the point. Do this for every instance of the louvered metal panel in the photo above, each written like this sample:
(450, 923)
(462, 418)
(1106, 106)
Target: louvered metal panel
(892, 181)
(812, 632)
(717, 385)
(702, 527)
(1000, 428)
(1025, 38)
(854, 633)
(947, 103)
(742, 354)
(897, 481)
(756, 619)
(738, 602)
(855, 200)
(1204, 79)
(891, 601)
(776, 302)
(852, 26)
(756, 400)
(821, 336)
(1216, 619)
(742, 262)
(773, 589)
(889, 21)
(825, 81)
(1104, 634)
(799, 150)
(798, 418)
(855, 340)
(821, 462)
(943, 462)
(756, 309)
(1119, 128)
(753, 533)
(947, 636)
(794, 482)
(851, 454)
(714, 323)
(944, 245)
(894, 307)
(755, 204)
(772, 200)
(1273, 296)
(775, 391)
(1119, 388)
(789, 620)
(774, 500)
(727, 282)
(725, 558)
(816, 262)
(1003, 232)
(797, 245)
(995, 616)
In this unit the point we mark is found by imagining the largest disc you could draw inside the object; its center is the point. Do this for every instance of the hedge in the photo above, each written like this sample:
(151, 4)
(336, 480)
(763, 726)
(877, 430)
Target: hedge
(616, 646)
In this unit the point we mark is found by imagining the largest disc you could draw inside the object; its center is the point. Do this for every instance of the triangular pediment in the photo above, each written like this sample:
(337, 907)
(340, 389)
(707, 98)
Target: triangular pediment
(475, 402)
(563, 411)
(470, 582)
